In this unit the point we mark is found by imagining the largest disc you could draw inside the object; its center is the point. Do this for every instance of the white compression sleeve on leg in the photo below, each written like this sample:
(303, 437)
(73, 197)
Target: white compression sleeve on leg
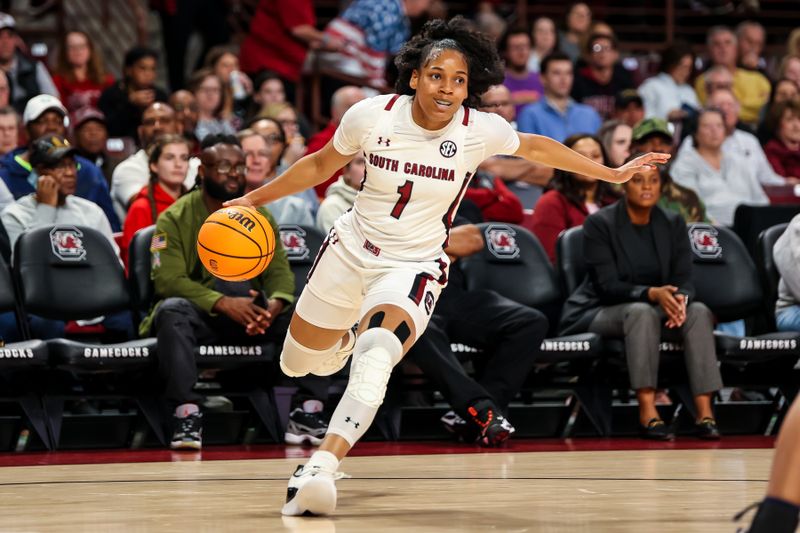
(297, 360)
(376, 353)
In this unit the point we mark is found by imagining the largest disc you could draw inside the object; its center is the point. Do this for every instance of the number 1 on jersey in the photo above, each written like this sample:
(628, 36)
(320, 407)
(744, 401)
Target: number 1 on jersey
(404, 191)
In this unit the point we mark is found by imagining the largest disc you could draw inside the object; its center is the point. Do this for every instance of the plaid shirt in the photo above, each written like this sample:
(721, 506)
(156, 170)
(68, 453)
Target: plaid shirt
(383, 22)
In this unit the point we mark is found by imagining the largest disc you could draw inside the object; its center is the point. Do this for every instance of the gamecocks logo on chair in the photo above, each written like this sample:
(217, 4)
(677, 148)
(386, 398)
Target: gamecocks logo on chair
(502, 241)
(66, 243)
(705, 241)
(294, 242)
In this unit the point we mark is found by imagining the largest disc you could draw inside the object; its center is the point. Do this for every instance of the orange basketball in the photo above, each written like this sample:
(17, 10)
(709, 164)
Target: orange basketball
(236, 243)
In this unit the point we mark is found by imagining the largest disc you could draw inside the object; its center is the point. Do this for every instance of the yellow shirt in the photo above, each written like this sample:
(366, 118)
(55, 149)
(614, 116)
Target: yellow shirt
(751, 89)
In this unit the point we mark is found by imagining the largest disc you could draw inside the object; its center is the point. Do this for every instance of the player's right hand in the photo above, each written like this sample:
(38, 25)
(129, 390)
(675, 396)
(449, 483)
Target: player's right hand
(242, 201)
(47, 190)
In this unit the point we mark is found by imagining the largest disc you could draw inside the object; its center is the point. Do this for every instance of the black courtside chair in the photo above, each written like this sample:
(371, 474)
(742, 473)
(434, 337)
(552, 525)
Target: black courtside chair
(514, 264)
(240, 369)
(68, 272)
(23, 365)
(301, 244)
(726, 279)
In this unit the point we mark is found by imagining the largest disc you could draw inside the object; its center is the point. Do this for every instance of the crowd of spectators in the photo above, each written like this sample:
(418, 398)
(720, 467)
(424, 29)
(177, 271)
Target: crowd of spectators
(79, 146)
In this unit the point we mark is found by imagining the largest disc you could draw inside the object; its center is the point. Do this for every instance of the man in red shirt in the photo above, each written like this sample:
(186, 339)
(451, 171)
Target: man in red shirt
(281, 33)
(342, 100)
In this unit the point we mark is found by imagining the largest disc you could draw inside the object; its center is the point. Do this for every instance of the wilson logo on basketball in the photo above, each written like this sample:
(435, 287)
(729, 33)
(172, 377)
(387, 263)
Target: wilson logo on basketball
(244, 221)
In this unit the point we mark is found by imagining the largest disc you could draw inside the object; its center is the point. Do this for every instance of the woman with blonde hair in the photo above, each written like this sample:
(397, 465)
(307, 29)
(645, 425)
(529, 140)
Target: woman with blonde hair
(209, 91)
(287, 117)
(224, 61)
(260, 160)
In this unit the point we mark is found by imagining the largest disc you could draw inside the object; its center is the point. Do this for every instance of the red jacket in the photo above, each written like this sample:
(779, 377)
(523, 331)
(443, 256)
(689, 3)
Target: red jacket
(78, 94)
(784, 161)
(315, 144)
(270, 44)
(496, 202)
(553, 214)
(140, 216)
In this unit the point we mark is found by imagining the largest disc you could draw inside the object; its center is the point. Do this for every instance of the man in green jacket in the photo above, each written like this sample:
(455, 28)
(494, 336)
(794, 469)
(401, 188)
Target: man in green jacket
(194, 307)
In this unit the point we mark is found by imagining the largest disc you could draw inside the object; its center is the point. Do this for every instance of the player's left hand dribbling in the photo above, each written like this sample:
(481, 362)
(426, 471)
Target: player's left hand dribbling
(640, 164)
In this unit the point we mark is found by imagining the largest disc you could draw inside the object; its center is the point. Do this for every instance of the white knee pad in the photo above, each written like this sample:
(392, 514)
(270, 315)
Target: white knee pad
(376, 353)
(297, 360)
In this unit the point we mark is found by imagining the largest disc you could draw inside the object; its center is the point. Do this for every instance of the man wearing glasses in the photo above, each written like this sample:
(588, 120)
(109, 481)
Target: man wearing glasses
(598, 83)
(196, 308)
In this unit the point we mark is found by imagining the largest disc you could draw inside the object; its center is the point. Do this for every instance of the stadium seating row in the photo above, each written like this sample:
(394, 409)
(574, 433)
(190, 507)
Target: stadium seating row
(72, 273)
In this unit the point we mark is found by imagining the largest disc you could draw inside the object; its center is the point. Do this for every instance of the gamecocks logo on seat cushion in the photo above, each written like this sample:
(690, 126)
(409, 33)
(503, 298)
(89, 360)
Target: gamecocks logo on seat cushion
(67, 244)
(704, 239)
(502, 241)
(293, 239)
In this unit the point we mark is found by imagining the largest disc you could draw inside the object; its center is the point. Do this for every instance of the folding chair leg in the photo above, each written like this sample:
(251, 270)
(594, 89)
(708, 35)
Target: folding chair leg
(34, 411)
(153, 413)
(388, 422)
(283, 405)
(685, 397)
(266, 410)
(596, 402)
(54, 407)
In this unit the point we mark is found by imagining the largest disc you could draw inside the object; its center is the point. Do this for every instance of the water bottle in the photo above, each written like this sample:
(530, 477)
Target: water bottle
(239, 92)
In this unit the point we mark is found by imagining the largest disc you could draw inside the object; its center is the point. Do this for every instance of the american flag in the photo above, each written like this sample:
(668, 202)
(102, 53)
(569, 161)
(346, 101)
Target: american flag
(158, 242)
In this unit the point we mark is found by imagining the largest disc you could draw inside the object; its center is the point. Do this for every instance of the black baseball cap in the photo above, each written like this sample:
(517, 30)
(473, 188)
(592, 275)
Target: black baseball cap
(626, 97)
(50, 150)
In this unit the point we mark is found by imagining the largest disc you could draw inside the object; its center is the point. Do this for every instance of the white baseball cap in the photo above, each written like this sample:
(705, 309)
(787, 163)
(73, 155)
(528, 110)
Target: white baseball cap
(7, 21)
(39, 104)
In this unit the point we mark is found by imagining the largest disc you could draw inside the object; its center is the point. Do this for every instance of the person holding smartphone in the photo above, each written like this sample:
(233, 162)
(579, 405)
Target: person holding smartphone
(195, 308)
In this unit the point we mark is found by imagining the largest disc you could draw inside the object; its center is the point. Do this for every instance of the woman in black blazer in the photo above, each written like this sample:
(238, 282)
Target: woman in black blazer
(638, 287)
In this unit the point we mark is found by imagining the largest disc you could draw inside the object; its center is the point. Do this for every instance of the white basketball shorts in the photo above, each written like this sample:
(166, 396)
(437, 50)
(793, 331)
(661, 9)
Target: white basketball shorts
(350, 277)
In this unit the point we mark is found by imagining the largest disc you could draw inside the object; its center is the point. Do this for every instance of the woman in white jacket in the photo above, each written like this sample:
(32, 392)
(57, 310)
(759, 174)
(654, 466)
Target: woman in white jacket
(341, 195)
(787, 259)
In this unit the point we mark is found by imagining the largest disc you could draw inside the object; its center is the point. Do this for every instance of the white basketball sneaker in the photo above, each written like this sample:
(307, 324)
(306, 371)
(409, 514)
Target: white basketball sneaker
(337, 361)
(312, 491)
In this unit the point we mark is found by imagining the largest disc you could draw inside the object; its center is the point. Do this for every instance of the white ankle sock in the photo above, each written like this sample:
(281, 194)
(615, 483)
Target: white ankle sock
(325, 460)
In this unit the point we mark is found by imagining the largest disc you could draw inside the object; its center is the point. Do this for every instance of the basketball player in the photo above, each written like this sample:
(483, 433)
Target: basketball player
(382, 264)
(778, 512)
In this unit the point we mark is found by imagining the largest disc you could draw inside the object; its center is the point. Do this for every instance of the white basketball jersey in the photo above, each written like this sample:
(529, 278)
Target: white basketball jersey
(415, 178)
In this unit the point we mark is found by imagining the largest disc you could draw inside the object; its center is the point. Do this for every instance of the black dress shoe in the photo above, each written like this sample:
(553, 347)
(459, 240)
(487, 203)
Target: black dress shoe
(655, 429)
(707, 429)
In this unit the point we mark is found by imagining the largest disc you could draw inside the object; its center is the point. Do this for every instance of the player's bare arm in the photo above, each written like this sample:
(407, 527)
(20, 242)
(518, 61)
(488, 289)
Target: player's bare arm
(546, 151)
(307, 172)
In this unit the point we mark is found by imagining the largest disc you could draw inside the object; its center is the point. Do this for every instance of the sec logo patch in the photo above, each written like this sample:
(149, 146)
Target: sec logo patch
(448, 149)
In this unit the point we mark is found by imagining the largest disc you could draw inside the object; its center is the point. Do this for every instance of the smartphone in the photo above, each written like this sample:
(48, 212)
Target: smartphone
(261, 300)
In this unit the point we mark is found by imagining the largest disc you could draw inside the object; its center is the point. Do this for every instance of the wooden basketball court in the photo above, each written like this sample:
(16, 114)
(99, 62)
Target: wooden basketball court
(656, 490)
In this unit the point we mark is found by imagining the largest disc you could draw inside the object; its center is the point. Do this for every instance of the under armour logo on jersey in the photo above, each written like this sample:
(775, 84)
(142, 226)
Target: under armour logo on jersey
(448, 149)
(381, 140)
(348, 419)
